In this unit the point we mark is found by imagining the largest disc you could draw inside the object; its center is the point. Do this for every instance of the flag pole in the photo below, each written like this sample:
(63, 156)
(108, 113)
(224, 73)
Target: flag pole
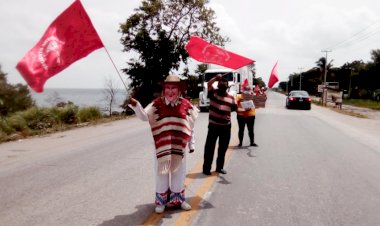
(115, 68)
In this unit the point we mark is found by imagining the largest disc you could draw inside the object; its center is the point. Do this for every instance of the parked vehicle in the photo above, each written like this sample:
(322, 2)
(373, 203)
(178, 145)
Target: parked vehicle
(299, 99)
(234, 77)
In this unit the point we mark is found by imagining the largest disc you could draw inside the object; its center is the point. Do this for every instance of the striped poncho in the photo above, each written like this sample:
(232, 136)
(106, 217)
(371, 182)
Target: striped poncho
(171, 127)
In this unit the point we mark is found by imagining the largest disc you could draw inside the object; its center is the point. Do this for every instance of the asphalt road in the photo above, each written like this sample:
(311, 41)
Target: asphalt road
(313, 167)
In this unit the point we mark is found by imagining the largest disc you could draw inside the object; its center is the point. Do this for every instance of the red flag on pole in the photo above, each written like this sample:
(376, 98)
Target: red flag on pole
(273, 76)
(205, 52)
(69, 38)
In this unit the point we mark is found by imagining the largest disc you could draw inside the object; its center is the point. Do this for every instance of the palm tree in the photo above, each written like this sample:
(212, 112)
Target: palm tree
(321, 65)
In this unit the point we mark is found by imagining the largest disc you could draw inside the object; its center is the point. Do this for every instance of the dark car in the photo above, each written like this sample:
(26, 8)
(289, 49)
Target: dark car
(299, 99)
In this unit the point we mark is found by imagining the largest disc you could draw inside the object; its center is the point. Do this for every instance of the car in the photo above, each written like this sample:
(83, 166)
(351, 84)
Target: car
(299, 99)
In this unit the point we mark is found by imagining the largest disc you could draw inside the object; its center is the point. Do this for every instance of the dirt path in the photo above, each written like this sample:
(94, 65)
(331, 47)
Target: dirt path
(368, 113)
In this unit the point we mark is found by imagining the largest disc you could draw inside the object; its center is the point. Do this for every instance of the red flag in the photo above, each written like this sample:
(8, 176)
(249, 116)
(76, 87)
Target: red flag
(273, 76)
(205, 52)
(69, 38)
(244, 84)
(257, 90)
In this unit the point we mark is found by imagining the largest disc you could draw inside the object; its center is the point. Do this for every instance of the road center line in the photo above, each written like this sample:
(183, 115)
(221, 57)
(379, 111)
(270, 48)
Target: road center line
(185, 217)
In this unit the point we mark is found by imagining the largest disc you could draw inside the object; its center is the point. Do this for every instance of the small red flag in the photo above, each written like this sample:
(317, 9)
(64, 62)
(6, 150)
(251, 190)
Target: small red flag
(257, 90)
(70, 37)
(205, 52)
(273, 76)
(244, 84)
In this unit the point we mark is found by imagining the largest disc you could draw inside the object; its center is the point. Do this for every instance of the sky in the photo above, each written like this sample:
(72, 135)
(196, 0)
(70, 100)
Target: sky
(293, 33)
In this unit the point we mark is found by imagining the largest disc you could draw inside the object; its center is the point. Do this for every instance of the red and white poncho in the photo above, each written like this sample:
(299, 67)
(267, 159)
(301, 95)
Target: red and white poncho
(171, 126)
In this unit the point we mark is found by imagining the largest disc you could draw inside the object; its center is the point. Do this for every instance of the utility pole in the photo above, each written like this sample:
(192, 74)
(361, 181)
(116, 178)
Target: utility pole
(324, 96)
(349, 85)
(300, 68)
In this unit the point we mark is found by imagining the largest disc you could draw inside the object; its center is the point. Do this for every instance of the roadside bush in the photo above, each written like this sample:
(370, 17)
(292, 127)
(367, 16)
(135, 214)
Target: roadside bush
(5, 128)
(3, 136)
(17, 122)
(364, 94)
(68, 114)
(39, 118)
(13, 98)
(88, 114)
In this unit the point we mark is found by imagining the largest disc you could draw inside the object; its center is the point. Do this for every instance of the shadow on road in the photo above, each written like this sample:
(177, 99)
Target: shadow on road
(130, 219)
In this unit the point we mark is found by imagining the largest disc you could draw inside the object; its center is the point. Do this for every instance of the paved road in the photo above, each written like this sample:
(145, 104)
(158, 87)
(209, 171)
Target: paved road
(313, 167)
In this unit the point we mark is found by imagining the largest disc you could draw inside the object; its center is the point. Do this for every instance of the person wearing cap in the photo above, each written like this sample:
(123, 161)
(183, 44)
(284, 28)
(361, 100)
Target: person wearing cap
(219, 127)
(246, 113)
(171, 119)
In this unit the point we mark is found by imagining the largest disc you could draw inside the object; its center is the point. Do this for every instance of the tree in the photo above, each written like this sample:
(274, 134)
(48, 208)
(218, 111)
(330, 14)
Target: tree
(201, 68)
(13, 97)
(252, 69)
(321, 64)
(375, 56)
(259, 81)
(158, 32)
(109, 94)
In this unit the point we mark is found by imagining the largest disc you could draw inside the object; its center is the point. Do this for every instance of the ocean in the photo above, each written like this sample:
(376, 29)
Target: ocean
(80, 97)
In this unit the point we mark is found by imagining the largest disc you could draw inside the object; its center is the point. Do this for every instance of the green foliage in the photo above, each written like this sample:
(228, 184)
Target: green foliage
(39, 118)
(89, 114)
(44, 120)
(5, 128)
(17, 122)
(258, 81)
(68, 114)
(158, 33)
(192, 86)
(375, 105)
(13, 98)
(359, 79)
(201, 68)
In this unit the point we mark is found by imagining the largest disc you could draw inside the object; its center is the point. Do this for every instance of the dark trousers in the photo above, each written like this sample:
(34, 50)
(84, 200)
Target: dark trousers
(224, 135)
(250, 122)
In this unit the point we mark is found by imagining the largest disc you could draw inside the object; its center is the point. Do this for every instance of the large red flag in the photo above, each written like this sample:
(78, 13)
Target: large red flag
(205, 52)
(69, 38)
(273, 76)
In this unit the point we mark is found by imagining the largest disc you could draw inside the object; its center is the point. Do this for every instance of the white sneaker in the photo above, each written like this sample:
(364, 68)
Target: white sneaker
(185, 206)
(160, 209)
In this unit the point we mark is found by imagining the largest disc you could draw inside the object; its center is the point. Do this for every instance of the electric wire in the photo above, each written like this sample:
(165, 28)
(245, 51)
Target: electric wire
(367, 32)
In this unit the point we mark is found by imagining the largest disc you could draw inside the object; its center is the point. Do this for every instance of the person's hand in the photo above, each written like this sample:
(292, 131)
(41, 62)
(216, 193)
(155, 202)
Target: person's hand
(133, 102)
(191, 151)
(219, 77)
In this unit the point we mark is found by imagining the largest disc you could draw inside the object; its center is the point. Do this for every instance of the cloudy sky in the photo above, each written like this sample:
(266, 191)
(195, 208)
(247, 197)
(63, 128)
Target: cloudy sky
(292, 32)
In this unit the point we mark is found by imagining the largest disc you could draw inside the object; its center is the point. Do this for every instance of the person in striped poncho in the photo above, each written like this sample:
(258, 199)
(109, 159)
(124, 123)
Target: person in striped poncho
(171, 119)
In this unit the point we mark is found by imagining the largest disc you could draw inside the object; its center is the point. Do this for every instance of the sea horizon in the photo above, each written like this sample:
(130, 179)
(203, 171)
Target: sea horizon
(82, 97)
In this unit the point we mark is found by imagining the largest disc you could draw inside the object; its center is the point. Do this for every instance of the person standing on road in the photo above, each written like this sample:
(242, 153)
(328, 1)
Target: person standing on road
(246, 114)
(171, 119)
(221, 106)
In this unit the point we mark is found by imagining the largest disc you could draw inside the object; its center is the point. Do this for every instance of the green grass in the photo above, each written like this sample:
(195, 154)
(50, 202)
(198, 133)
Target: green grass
(375, 105)
(40, 121)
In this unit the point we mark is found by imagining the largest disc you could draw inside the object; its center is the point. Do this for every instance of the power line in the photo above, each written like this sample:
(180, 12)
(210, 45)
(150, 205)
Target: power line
(358, 36)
